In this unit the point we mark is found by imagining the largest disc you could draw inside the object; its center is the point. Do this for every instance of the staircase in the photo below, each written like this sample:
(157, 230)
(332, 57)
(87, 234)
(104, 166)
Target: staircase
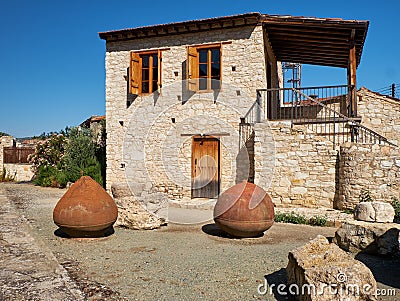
(323, 110)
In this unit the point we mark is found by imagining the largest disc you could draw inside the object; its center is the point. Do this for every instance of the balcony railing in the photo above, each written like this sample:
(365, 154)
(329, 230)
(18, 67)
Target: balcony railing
(324, 110)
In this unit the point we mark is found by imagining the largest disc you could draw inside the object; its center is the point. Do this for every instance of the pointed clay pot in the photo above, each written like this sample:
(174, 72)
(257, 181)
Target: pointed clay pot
(85, 210)
(244, 210)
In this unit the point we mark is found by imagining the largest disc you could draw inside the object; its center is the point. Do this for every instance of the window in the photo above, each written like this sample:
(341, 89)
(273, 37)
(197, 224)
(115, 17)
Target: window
(145, 72)
(204, 68)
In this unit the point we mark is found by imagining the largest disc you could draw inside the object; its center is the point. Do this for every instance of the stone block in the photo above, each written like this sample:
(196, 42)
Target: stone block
(132, 215)
(319, 267)
(372, 238)
(379, 212)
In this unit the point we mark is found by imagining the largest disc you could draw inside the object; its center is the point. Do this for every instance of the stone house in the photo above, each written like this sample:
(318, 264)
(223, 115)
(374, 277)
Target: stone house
(195, 107)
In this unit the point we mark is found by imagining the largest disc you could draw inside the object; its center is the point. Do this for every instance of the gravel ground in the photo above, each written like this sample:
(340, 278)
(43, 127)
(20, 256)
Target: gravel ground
(176, 262)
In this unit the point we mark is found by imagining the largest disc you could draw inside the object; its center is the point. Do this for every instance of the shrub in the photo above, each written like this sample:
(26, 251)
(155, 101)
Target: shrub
(80, 158)
(348, 211)
(318, 221)
(365, 196)
(65, 157)
(396, 205)
(293, 218)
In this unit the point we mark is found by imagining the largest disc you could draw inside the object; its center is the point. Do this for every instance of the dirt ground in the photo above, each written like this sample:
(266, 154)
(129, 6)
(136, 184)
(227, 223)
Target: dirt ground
(176, 262)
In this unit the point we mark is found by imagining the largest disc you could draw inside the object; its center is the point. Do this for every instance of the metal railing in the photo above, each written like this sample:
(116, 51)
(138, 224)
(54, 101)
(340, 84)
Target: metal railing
(323, 110)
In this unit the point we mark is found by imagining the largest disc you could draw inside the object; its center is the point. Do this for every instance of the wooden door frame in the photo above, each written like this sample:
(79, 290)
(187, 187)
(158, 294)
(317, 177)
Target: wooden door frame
(192, 162)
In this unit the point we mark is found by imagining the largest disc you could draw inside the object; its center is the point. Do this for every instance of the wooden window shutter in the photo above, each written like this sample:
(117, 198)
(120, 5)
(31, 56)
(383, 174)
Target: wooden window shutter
(192, 68)
(159, 83)
(134, 74)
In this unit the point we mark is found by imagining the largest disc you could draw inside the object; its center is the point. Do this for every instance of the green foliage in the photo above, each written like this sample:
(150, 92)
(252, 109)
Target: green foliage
(348, 211)
(67, 156)
(3, 134)
(365, 196)
(6, 177)
(293, 218)
(80, 159)
(318, 221)
(396, 205)
(49, 152)
(50, 176)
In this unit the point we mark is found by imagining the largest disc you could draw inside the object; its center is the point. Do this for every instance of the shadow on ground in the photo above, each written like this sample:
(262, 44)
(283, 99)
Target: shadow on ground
(386, 270)
(101, 234)
(273, 282)
(214, 230)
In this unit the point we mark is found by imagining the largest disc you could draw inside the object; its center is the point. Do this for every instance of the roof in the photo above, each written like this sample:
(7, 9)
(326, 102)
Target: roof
(318, 41)
(306, 40)
(91, 120)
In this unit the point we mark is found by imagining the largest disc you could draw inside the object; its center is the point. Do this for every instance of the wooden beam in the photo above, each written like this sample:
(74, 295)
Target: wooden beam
(352, 76)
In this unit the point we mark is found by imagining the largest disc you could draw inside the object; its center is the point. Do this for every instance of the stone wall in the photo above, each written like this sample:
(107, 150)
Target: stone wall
(380, 113)
(368, 170)
(148, 138)
(296, 167)
(20, 172)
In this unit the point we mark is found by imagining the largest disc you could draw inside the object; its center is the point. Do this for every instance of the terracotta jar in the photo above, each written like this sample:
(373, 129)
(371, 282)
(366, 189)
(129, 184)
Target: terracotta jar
(244, 210)
(85, 210)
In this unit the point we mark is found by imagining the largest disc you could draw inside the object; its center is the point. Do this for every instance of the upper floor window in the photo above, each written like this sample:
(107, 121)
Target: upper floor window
(204, 68)
(145, 72)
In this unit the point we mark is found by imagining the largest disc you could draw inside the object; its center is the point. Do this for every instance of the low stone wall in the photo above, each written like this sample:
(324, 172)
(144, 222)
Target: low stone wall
(20, 172)
(300, 170)
(380, 113)
(367, 171)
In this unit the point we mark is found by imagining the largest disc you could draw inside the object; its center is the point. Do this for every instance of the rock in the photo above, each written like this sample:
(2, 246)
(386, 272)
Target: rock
(132, 215)
(379, 212)
(120, 190)
(364, 212)
(372, 238)
(322, 271)
(384, 212)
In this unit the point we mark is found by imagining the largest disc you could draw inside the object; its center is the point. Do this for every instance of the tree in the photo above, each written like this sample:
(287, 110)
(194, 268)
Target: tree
(65, 157)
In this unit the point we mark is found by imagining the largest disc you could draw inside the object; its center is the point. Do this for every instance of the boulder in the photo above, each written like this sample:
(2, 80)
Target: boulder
(320, 271)
(120, 190)
(379, 212)
(372, 238)
(132, 215)
(384, 212)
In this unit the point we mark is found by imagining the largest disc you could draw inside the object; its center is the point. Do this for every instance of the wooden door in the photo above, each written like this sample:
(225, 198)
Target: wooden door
(205, 168)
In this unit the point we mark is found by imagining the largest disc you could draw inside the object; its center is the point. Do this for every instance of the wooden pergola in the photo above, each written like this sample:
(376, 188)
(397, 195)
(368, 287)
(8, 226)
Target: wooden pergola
(319, 41)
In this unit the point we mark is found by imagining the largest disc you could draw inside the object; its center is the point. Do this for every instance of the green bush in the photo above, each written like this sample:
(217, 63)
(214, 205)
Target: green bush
(365, 196)
(348, 211)
(49, 176)
(63, 158)
(293, 218)
(318, 221)
(396, 205)
(80, 158)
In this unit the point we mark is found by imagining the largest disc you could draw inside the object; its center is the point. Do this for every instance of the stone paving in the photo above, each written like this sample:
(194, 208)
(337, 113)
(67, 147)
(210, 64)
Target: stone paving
(27, 270)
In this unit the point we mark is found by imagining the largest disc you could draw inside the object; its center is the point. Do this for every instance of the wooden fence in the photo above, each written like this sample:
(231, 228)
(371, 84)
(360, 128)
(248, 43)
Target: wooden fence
(17, 155)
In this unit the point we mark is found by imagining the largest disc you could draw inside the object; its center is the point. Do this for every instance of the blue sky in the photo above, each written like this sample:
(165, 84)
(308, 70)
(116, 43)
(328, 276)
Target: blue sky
(52, 60)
